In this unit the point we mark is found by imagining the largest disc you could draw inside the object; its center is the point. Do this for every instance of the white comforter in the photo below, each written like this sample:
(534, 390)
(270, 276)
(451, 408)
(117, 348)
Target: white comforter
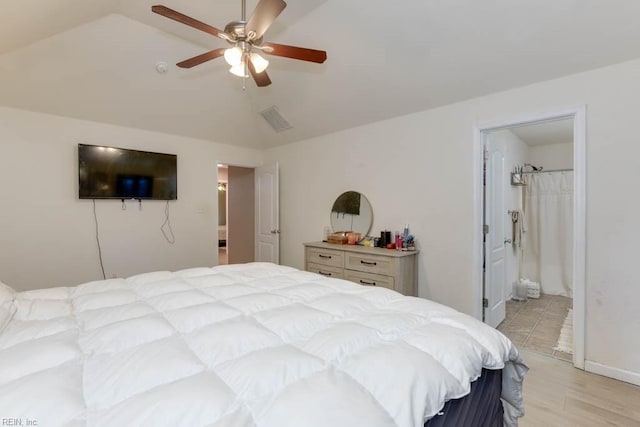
(241, 345)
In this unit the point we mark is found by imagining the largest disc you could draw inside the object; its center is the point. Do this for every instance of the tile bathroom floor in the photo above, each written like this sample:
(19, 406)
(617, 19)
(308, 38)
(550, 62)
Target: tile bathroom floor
(535, 324)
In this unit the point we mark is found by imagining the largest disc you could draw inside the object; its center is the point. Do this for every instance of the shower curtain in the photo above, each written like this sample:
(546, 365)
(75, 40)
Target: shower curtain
(548, 249)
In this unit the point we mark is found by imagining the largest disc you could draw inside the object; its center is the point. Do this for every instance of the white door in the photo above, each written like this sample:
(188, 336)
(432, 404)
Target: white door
(494, 247)
(267, 214)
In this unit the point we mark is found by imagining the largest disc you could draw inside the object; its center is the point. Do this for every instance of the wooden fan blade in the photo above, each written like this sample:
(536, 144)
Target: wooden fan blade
(197, 60)
(177, 16)
(262, 79)
(301, 53)
(263, 16)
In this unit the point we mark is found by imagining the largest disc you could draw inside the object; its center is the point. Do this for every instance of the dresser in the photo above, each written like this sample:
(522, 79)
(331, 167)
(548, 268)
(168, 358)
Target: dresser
(387, 268)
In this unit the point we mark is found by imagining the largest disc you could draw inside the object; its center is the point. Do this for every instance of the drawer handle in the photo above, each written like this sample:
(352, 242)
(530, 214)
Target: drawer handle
(368, 262)
(324, 256)
(324, 274)
(364, 282)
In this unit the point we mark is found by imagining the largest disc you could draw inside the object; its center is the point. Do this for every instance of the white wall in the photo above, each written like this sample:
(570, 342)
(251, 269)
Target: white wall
(47, 234)
(419, 169)
(553, 156)
(516, 152)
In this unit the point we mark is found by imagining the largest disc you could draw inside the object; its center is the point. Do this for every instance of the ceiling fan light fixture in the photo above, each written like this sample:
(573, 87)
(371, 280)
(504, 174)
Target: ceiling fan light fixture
(259, 63)
(233, 56)
(244, 36)
(239, 70)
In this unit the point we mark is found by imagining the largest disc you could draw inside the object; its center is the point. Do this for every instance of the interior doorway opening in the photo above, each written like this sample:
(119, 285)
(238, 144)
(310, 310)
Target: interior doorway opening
(222, 222)
(248, 213)
(519, 162)
(236, 214)
(528, 199)
(222, 214)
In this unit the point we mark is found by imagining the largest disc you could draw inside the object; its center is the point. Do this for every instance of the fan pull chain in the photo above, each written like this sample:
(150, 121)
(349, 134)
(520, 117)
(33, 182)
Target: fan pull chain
(246, 67)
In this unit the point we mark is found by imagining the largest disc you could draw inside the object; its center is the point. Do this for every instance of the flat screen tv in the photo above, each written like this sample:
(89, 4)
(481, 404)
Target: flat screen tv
(118, 173)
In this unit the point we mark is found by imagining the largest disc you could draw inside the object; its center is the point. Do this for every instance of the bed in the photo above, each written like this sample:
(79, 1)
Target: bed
(249, 345)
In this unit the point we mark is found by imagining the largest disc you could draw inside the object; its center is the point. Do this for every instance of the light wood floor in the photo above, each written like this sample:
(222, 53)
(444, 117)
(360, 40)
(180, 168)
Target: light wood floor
(223, 257)
(556, 395)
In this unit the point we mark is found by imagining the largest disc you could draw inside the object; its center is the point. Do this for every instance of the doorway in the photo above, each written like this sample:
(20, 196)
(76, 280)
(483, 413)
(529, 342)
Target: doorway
(248, 214)
(530, 286)
(223, 182)
(236, 239)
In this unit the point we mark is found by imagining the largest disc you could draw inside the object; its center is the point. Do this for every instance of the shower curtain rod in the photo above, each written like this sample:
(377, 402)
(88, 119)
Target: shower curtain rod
(551, 170)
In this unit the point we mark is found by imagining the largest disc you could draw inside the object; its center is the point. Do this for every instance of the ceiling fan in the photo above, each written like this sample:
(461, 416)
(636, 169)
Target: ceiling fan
(245, 36)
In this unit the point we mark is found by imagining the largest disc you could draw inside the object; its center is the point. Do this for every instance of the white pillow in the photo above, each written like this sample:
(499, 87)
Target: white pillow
(7, 307)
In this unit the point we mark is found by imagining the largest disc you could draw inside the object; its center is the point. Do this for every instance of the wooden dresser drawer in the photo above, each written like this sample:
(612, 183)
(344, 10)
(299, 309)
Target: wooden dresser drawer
(369, 279)
(327, 271)
(371, 263)
(326, 257)
(366, 266)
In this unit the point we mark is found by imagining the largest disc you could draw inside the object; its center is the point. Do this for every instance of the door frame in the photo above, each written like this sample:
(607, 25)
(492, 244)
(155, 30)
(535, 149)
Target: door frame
(254, 166)
(578, 114)
(248, 165)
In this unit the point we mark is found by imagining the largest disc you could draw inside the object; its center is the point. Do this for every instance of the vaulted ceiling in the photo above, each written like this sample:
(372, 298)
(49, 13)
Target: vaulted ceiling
(96, 60)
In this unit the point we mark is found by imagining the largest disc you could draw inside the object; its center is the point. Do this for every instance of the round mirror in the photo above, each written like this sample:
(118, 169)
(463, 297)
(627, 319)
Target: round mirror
(352, 212)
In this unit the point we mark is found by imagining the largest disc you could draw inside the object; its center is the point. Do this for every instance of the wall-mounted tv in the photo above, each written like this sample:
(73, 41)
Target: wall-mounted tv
(118, 173)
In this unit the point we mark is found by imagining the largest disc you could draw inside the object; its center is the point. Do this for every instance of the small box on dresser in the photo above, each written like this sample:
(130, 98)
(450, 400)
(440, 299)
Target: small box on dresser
(386, 268)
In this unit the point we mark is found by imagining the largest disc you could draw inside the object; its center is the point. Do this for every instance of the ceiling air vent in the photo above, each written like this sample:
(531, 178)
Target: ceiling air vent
(275, 119)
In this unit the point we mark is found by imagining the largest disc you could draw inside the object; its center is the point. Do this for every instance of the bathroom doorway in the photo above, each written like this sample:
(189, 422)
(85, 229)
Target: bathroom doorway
(531, 261)
(535, 207)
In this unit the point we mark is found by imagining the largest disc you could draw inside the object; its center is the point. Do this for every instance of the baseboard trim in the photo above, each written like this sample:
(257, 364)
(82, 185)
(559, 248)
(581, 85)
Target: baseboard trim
(615, 373)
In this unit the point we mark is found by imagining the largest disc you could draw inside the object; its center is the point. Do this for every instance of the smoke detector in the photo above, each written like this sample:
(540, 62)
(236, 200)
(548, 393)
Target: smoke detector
(162, 67)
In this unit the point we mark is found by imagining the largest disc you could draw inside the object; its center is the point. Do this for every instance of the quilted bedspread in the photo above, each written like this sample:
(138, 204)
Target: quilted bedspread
(255, 345)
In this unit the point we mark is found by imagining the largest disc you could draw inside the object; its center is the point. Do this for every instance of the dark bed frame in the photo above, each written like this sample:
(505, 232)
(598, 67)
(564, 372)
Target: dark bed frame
(482, 407)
